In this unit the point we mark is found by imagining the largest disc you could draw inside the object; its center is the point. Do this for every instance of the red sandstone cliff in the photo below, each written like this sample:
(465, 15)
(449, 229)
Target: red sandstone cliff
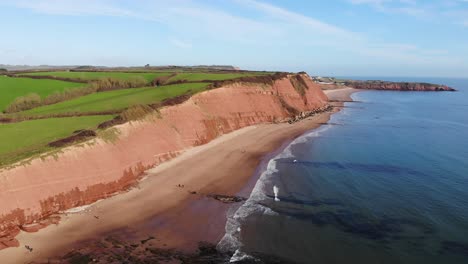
(399, 86)
(89, 172)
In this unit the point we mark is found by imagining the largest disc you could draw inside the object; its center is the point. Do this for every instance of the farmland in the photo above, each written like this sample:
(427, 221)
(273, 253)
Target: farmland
(202, 76)
(12, 88)
(31, 137)
(89, 76)
(28, 132)
(149, 76)
(118, 99)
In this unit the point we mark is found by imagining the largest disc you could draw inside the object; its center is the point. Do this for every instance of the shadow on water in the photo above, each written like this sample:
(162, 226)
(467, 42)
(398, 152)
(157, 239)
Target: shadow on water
(396, 173)
(316, 203)
(454, 247)
(356, 167)
(382, 228)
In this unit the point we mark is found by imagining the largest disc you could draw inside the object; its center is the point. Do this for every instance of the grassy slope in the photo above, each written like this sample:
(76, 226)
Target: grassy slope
(11, 88)
(117, 100)
(96, 75)
(27, 138)
(195, 77)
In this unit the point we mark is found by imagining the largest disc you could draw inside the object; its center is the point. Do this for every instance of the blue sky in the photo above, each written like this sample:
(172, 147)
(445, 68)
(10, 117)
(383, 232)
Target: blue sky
(341, 37)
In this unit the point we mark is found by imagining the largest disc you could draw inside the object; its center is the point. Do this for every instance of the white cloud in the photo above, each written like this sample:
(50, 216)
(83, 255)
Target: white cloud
(70, 7)
(272, 25)
(289, 17)
(346, 40)
(215, 23)
(407, 7)
(180, 43)
(370, 2)
(7, 51)
(176, 14)
(455, 11)
(458, 16)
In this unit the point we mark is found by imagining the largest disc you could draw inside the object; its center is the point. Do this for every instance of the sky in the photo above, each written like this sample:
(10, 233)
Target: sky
(333, 37)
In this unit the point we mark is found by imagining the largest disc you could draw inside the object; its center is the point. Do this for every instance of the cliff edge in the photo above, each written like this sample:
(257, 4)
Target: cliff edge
(82, 174)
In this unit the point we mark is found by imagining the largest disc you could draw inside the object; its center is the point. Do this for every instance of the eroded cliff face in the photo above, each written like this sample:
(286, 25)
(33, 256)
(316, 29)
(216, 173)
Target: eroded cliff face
(398, 86)
(83, 174)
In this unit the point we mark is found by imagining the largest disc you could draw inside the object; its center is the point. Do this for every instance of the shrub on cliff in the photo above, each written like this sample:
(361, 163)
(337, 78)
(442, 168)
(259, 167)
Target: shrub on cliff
(136, 112)
(24, 103)
(299, 84)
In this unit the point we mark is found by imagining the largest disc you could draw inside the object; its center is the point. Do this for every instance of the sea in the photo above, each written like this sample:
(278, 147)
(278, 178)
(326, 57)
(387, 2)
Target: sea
(385, 181)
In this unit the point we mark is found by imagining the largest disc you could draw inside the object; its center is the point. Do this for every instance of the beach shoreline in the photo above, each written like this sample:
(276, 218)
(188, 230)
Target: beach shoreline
(169, 202)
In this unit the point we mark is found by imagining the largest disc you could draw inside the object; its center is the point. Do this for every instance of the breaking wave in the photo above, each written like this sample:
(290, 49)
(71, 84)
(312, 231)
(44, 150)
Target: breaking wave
(257, 203)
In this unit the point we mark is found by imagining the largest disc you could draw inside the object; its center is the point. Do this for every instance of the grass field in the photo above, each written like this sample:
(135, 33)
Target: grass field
(24, 139)
(11, 88)
(117, 100)
(96, 75)
(196, 77)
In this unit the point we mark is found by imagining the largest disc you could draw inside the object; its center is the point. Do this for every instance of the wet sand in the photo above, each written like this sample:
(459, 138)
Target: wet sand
(171, 203)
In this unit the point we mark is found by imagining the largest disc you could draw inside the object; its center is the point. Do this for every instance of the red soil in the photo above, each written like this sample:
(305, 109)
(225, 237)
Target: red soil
(84, 174)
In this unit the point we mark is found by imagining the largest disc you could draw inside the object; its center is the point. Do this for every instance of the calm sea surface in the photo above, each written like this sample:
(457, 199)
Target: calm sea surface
(385, 182)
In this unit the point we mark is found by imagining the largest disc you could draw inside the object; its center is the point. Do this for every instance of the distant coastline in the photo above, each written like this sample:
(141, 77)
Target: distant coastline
(334, 83)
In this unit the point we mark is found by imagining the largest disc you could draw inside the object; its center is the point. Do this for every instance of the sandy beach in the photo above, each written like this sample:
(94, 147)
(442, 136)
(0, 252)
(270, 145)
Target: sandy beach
(171, 201)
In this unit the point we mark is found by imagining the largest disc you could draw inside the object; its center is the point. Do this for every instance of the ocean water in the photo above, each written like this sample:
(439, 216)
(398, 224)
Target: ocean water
(386, 181)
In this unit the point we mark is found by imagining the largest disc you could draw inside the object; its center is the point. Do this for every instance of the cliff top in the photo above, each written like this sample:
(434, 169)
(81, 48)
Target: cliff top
(53, 109)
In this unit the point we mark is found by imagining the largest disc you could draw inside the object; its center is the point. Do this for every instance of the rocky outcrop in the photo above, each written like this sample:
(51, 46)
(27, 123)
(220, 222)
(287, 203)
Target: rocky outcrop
(82, 174)
(227, 198)
(398, 86)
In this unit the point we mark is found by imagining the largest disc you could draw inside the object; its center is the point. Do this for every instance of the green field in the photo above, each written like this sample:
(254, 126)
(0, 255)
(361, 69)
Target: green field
(117, 100)
(24, 139)
(11, 88)
(21, 140)
(150, 76)
(200, 76)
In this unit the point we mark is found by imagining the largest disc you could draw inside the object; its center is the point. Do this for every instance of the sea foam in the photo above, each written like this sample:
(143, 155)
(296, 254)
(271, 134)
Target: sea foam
(232, 240)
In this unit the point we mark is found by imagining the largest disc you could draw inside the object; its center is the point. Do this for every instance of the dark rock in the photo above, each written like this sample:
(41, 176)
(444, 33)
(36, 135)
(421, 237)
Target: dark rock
(80, 136)
(227, 198)
(304, 115)
(144, 241)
